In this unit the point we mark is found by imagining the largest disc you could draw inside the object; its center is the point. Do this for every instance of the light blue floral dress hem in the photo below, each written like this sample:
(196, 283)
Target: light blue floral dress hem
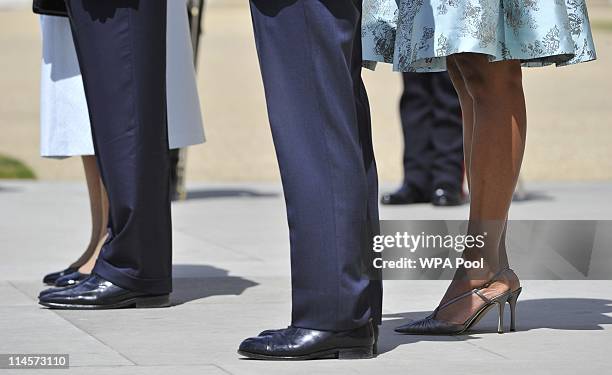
(418, 35)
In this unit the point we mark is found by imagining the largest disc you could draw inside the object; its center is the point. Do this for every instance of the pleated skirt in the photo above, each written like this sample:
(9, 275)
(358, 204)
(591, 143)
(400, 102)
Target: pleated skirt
(418, 35)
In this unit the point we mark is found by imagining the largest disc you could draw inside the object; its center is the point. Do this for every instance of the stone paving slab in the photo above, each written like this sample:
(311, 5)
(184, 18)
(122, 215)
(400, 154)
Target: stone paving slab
(30, 329)
(232, 281)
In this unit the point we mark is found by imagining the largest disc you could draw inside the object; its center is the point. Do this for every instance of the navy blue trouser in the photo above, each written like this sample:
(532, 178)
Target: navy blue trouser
(433, 133)
(121, 46)
(310, 57)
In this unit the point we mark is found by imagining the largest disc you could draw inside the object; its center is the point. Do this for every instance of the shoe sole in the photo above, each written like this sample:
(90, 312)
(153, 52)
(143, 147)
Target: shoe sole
(345, 353)
(139, 303)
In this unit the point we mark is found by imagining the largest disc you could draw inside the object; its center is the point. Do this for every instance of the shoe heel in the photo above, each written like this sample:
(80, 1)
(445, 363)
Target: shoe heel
(512, 302)
(153, 302)
(500, 322)
(356, 353)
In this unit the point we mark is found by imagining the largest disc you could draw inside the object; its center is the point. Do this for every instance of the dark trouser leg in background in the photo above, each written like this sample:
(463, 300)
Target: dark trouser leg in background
(446, 135)
(121, 49)
(433, 148)
(416, 113)
(310, 56)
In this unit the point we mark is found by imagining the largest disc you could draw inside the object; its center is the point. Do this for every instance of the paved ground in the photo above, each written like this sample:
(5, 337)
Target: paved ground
(231, 259)
(569, 111)
(232, 280)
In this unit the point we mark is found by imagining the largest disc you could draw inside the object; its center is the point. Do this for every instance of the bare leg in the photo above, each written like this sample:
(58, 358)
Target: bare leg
(103, 217)
(467, 110)
(98, 203)
(494, 146)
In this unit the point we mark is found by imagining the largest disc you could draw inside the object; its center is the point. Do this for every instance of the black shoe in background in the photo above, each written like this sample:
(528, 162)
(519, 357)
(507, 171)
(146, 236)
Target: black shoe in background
(443, 197)
(405, 195)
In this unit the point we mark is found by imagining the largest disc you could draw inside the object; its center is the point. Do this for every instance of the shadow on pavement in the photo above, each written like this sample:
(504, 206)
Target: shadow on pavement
(532, 195)
(192, 282)
(8, 189)
(572, 314)
(227, 193)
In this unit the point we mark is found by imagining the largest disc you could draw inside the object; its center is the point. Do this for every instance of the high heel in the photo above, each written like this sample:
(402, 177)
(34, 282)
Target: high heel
(500, 322)
(432, 326)
(512, 302)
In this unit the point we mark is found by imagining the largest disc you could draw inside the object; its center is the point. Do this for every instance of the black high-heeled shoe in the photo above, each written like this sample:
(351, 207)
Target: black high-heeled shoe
(432, 326)
(71, 279)
(51, 278)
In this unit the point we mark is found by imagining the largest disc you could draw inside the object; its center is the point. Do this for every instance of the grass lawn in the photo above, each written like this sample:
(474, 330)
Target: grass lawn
(13, 168)
(602, 25)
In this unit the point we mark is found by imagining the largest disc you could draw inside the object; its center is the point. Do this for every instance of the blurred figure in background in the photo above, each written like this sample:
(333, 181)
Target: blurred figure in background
(65, 124)
(433, 145)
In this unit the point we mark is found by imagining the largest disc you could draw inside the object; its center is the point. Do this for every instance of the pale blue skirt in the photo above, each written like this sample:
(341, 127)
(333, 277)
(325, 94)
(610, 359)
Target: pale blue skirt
(418, 35)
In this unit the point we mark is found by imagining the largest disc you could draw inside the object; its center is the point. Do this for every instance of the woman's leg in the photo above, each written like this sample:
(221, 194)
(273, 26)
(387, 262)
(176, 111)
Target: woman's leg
(467, 111)
(98, 203)
(494, 141)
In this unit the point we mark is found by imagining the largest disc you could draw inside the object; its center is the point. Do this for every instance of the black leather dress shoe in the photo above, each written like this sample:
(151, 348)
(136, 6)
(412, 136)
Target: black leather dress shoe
(404, 196)
(71, 279)
(446, 197)
(51, 278)
(270, 332)
(51, 290)
(97, 293)
(295, 343)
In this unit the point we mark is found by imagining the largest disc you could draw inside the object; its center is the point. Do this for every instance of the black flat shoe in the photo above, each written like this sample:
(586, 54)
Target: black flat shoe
(270, 332)
(51, 278)
(446, 197)
(70, 279)
(295, 343)
(97, 293)
(404, 196)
